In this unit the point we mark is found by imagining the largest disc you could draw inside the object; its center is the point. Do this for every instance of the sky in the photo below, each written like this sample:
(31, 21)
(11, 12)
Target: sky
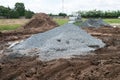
(55, 6)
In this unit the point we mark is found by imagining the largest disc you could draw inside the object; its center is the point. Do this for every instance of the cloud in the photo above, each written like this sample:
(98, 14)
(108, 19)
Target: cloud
(55, 6)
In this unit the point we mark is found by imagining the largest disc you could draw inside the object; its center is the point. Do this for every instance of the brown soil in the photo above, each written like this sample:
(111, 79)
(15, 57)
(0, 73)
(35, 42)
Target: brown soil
(41, 22)
(103, 65)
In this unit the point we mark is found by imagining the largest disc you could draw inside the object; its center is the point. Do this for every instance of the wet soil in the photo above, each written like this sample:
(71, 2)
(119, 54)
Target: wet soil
(103, 65)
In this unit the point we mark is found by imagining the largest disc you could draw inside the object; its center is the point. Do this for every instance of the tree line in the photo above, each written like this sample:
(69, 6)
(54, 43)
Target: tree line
(17, 12)
(100, 14)
(20, 11)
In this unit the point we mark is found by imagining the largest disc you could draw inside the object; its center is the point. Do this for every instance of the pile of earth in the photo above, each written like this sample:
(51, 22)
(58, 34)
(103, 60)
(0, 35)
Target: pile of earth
(40, 22)
(94, 23)
(60, 42)
(104, 65)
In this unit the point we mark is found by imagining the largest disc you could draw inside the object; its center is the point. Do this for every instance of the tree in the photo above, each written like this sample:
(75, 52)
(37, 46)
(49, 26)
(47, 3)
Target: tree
(50, 14)
(13, 14)
(98, 13)
(4, 11)
(20, 8)
(28, 14)
(62, 14)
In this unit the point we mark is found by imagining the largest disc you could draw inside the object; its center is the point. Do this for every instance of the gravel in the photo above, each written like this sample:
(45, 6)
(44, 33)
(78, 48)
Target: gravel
(61, 42)
(94, 23)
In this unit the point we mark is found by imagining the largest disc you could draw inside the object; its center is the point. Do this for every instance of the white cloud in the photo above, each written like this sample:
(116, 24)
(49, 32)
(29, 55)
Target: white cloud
(55, 6)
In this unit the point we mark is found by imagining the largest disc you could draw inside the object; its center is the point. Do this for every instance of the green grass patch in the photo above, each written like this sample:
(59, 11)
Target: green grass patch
(61, 21)
(108, 20)
(9, 27)
(112, 20)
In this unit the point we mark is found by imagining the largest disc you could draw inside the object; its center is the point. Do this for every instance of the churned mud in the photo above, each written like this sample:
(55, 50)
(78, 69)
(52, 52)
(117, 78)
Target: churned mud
(103, 65)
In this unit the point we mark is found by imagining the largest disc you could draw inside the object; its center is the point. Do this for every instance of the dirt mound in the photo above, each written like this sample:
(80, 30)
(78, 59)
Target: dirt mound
(41, 22)
(95, 23)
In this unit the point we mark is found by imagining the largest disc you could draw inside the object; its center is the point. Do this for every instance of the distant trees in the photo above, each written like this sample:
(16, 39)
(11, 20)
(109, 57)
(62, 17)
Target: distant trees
(20, 8)
(20, 11)
(100, 14)
(28, 14)
(62, 14)
(16, 12)
(13, 14)
(4, 11)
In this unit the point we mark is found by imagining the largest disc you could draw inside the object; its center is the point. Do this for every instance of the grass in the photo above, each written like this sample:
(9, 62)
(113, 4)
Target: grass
(112, 21)
(61, 21)
(9, 27)
(12, 24)
(109, 21)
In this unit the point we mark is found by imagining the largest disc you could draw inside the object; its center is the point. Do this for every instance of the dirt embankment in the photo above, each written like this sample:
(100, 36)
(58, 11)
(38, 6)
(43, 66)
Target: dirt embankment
(104, 65)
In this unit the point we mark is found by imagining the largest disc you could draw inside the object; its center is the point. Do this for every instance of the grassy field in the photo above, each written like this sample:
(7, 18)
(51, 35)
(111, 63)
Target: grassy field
(110, 21)
(61, 21)
(11, 24)
(9, 27)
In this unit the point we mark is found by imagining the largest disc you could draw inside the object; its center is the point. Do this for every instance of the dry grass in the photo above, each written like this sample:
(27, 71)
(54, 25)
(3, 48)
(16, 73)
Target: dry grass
(13, 21)
(11, 24)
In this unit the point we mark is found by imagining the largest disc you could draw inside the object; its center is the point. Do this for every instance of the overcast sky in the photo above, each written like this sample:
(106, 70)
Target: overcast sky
(55, 6)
